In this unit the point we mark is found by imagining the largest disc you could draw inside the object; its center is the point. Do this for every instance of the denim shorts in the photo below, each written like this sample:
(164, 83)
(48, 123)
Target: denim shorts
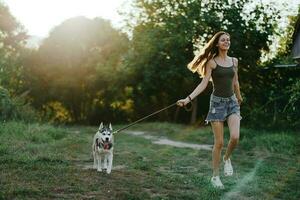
(221, 107)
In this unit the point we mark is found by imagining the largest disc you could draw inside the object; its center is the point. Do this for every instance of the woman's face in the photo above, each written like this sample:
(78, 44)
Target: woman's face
(224, 42)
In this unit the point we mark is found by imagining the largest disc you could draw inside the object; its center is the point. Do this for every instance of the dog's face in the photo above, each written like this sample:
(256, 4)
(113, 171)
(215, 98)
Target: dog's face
(106, 133)
(106, 136)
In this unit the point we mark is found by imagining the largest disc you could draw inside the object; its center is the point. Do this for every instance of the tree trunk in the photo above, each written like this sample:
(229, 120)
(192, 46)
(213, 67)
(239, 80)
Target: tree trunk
(176, 113)
(275, 113)
(194, 111)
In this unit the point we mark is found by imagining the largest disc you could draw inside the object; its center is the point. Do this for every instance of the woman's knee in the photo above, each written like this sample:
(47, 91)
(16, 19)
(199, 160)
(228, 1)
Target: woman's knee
(235, 138)
(219, 144)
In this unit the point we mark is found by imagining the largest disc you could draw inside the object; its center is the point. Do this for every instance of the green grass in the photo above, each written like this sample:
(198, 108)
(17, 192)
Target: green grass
(45, 162)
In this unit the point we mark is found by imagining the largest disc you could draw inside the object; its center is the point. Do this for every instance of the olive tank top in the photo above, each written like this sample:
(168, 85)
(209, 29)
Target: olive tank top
(222, 80)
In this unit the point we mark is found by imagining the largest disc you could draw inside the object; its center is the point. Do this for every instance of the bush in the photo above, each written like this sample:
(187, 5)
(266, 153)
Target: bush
(15, 108)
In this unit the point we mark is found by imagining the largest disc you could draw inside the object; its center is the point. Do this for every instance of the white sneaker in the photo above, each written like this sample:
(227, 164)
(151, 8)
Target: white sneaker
(216, 182)
(228, 170)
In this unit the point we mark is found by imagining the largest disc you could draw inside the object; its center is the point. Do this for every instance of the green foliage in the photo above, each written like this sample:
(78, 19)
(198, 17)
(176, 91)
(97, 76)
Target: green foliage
(15, 108)
(86, 71)
(166, 33)
(6, 104)
(12, 38)
(294, 93)
(78, 66)
(274, 102)
(55, 112)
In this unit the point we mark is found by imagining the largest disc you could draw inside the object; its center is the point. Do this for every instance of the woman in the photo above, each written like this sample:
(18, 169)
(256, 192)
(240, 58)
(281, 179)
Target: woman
(213, 62)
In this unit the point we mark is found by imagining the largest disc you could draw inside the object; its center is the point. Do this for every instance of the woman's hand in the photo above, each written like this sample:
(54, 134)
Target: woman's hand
(183, 102)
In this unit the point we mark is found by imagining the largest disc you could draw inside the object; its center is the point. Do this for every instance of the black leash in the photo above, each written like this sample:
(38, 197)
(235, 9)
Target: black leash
(137, 121)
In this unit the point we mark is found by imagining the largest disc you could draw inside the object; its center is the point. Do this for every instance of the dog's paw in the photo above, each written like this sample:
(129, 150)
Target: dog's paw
(94, 166)
(108, 171)
(99, 170)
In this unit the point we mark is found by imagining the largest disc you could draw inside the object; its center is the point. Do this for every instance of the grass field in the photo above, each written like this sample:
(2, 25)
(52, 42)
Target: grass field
(46, 162)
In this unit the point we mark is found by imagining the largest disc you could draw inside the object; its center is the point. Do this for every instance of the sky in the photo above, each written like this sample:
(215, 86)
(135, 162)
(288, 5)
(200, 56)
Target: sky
(40, 16)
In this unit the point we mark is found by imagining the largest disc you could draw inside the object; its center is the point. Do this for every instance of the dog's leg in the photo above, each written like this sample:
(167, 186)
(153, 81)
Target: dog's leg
(110, 161)
(99, 167)
(95, 161)
(105, 162)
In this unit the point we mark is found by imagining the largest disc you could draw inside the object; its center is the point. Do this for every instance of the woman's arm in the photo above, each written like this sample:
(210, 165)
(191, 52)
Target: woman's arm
(201, 87)
(236, 85)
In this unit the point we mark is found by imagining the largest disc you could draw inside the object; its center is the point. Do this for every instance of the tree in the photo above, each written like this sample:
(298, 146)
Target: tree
(12, 40)
(278, 89)
(167, 32)
(77, 65)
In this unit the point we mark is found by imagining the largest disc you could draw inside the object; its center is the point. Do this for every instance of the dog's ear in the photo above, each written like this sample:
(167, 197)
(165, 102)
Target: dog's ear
(110, 127)
(101, 126)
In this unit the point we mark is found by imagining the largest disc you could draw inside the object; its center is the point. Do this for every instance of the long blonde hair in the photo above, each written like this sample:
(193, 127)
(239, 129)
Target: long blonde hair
(209, 51)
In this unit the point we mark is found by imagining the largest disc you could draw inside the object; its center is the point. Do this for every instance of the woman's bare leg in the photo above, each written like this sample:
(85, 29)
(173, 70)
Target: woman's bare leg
(234, 128)
(217, 128)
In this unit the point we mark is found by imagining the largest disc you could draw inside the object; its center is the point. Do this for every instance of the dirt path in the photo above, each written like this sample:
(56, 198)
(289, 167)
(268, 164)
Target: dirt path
(166, 141)
(86, 163)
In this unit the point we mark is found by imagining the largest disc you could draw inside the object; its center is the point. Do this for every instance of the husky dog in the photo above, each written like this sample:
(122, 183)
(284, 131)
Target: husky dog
(103, 149)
